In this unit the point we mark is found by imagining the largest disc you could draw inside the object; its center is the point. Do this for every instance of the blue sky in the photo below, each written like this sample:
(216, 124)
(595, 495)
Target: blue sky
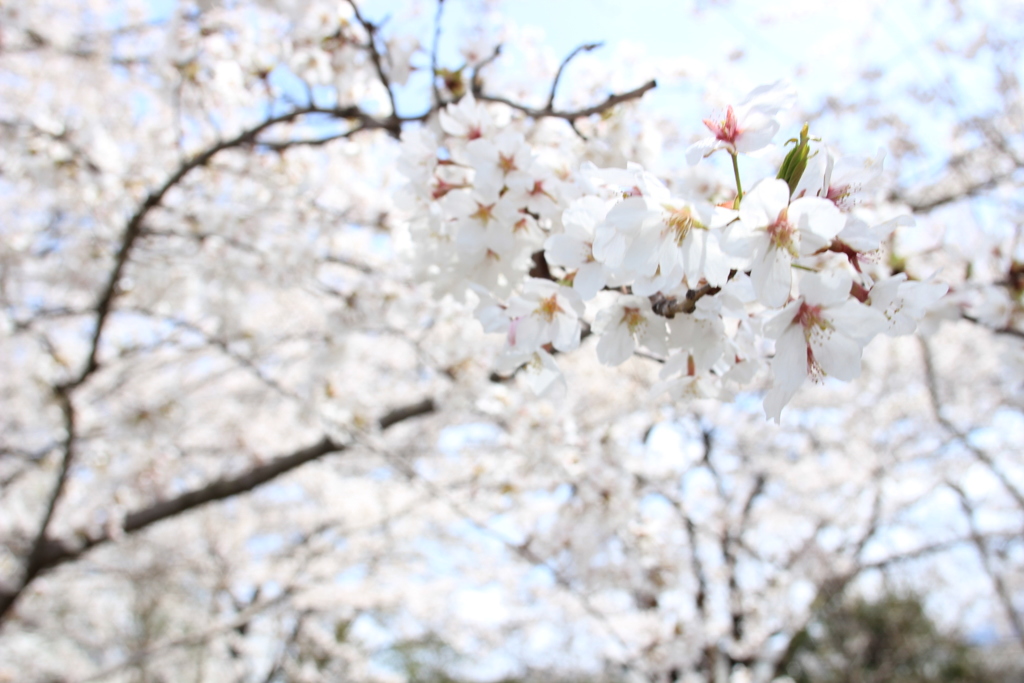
(823, 48)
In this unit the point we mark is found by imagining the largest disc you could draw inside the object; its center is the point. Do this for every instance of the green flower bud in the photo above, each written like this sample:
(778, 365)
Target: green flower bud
(795, 163)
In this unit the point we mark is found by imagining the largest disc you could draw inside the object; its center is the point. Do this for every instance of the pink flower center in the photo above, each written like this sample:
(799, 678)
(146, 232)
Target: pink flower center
(538, 189)
(549, 308)
(633, 319)
(840, 196)
(444, 188)
(782, 231)
(809, 316)
(507, 164)
(484, 213)
(727, 129)
(811, 319)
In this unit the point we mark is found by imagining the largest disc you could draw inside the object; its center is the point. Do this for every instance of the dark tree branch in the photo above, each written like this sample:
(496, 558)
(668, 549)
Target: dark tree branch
(586, 47)
(392, 124)
(52, 552)
(433, 53)
(375, 54)
(134, 228)
(966, 192)
(669, 307)
(571, 116)
(475, 82)
(403, 413)
(1009, 331)
(1004, 593)
(37, 553)
(730, 542)
(977, 170)
(64, 137)
(312, 142)
(696, 566)
(933, 393)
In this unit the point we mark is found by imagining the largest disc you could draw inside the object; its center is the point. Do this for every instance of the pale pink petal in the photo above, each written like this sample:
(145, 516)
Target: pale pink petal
(629, 215)
(789, 368)
(772, 276)
(836, 354)
(590, 279)
(763, 204)
(817, 216)
(774, 328)
(615, 346)
(567, 333)
(758, 133)
(701, 149)
(829, 288)
(562, 250)
(857, 320)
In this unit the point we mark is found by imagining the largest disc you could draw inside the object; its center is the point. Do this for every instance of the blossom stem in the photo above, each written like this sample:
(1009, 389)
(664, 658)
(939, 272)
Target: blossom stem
(739, 185)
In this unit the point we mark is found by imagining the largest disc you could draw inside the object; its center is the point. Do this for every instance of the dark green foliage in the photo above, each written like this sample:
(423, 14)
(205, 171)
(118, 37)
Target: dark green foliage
(891, 640)
(426, 660)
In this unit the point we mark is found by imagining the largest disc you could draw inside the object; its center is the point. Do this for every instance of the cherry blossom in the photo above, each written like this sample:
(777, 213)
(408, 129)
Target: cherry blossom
(747, 127)
(267, 415)
(773, 232)
(628, 323)
(821, 334)
(545, 313)
(904, 303)
(574, 248)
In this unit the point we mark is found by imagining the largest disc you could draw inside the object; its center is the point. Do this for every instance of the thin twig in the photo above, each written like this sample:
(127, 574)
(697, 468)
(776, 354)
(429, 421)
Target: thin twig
(52, 552)
(1005, 595)
(476, 84)
(433, 53)
(1008, 331)
(610, 102)
(586, 47)
(312, 142)
(931, 378)
(375, 55)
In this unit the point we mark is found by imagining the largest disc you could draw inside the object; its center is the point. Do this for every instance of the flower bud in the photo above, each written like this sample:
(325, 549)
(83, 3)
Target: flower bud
(795, 163)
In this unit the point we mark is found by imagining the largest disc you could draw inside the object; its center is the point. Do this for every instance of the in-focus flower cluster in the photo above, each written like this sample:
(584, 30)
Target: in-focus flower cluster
(777, 283)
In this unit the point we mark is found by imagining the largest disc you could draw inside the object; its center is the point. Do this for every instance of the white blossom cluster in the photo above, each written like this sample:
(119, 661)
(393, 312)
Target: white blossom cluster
(722, 289)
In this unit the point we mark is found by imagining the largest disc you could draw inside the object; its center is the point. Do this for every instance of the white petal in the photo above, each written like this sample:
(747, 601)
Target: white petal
(829, 288)
(543, 376)
(563, 250)
(837, 354)
(609, 246)
(772, 276)
(701, 149)
(615, 346)
(789, 368)
(763, 204)
(716, 264)
(567, 333)
(857, 320)
(529, 333)
(818, 216)
(589, 280)
(758, 134)
(629, 215)
(743, 240)
(776, 327)
(654, 335)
